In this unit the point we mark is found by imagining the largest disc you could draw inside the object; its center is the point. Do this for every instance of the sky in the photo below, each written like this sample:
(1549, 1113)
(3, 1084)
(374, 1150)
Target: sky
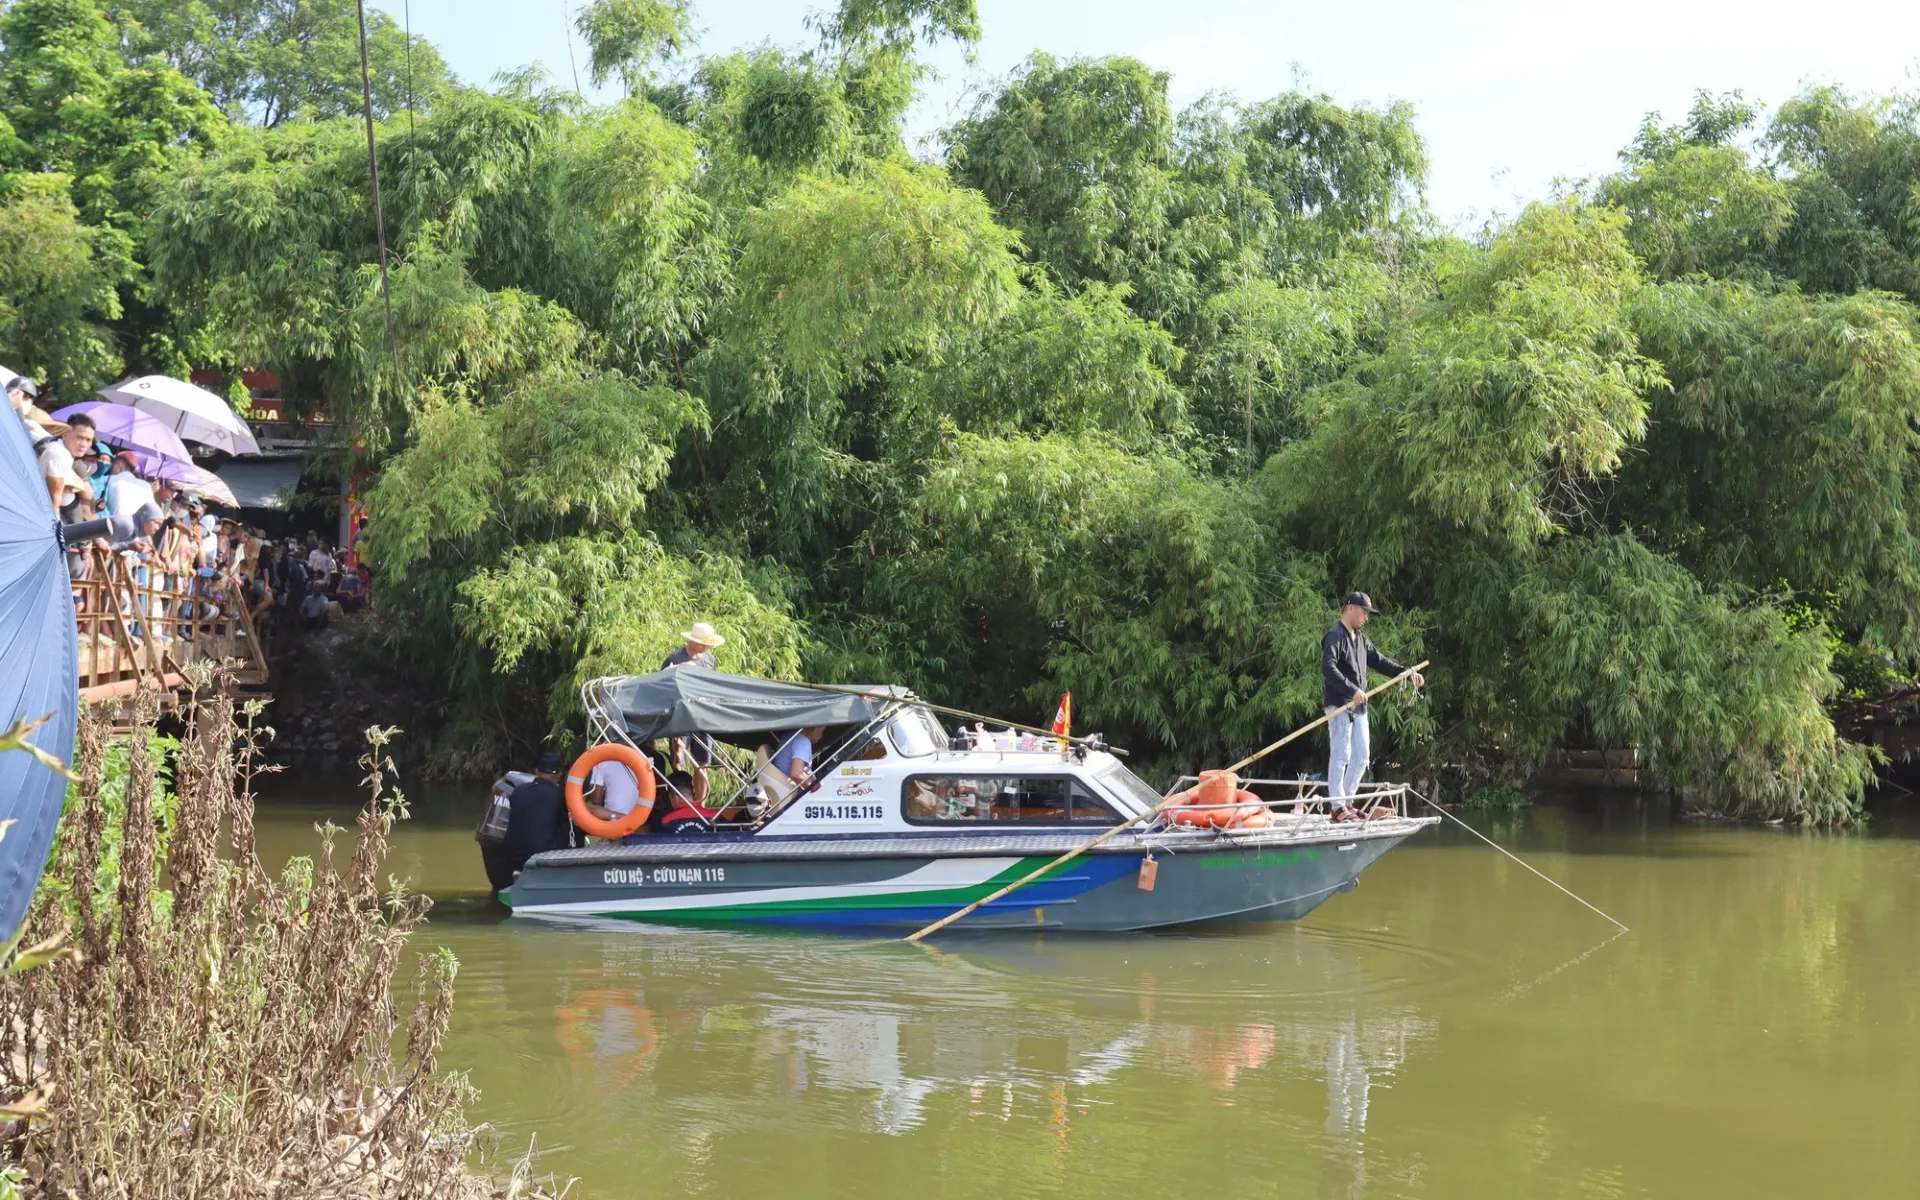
(1510, 95)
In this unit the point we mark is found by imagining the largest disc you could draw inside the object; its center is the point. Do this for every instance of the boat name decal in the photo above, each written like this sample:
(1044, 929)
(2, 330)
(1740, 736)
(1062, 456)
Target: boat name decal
(857, 788)
(642, 876)
(856, 770)
(842, 812)
(1238, 861)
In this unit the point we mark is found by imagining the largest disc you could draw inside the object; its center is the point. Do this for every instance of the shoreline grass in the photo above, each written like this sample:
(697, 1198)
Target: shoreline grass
(192, 1025)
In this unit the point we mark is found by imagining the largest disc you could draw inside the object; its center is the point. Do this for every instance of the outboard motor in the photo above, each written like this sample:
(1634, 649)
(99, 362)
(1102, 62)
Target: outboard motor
(491, 833)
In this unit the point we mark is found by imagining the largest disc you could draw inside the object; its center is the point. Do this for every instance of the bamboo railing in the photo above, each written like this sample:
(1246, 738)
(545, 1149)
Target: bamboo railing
(138, 633)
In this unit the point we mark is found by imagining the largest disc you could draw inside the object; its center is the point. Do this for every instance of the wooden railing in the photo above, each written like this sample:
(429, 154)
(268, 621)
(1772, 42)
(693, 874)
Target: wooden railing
(138, 633)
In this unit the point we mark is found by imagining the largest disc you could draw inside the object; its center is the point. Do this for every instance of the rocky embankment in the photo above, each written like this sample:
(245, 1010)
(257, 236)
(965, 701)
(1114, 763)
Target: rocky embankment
(325, 698)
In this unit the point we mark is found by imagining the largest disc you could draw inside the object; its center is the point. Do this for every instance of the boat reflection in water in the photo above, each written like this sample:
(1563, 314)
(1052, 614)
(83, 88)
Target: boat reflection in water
(727, 1033)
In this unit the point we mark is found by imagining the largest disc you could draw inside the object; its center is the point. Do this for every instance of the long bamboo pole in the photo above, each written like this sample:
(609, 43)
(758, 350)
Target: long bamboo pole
(1166, 802)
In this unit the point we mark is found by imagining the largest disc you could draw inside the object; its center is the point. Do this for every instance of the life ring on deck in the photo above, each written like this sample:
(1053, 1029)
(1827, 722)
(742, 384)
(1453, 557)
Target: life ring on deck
(1246, 813)
(1180, 814)
(627, 757)
(1250, 813)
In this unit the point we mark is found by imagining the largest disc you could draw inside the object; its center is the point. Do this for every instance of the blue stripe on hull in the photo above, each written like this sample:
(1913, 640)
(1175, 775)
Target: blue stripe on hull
(1080, 878)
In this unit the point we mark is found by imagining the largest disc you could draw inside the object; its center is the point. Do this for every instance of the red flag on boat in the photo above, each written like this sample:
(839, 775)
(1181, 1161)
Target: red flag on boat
(1063, 716)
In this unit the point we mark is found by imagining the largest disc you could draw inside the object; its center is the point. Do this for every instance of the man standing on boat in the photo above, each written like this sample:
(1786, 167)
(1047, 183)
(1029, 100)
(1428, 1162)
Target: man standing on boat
(1345, 655)
(697, 751)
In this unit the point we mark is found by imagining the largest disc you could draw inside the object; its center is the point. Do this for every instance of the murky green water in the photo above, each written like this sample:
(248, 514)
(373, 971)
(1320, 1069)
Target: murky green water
(1453, 1028)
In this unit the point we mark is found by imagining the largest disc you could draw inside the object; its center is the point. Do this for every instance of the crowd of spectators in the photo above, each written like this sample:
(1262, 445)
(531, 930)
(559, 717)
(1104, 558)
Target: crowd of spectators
(172, 544)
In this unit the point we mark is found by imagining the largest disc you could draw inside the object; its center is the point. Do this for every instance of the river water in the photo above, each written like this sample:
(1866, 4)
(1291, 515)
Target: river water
(1452, 1029)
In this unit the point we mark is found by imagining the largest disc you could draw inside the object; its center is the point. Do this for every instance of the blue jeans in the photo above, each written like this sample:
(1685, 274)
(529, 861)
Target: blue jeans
(1351, 742)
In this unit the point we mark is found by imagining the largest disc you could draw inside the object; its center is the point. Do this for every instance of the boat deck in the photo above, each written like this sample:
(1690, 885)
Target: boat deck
(1288, 831)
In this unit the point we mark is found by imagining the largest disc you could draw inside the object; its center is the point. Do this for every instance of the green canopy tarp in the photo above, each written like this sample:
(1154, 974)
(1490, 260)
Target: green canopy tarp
(690, 699)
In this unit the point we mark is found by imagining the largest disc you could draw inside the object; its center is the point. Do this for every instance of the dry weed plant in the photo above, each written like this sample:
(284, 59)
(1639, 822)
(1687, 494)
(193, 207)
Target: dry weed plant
(229, 1034)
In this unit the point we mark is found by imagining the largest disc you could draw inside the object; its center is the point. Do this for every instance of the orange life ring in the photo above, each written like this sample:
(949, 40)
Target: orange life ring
(1247, 812)
(1250, 814)
(627, 757)
(1180, 814)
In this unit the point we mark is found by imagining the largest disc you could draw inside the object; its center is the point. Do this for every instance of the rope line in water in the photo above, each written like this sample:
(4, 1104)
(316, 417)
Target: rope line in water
(1442, 810)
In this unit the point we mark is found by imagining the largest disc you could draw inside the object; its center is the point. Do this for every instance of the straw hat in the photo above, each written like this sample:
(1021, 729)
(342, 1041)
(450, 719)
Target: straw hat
(704, 634)
(44, 419)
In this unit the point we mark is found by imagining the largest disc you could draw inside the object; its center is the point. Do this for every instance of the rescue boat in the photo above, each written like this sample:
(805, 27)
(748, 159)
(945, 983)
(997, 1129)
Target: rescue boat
(900, 823)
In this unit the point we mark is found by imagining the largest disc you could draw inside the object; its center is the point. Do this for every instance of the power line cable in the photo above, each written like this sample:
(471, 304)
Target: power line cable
(406, 11)
(566, 27)
(373, 169)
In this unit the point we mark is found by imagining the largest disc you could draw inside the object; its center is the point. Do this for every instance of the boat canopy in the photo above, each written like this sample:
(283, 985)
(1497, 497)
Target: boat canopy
(692, 699)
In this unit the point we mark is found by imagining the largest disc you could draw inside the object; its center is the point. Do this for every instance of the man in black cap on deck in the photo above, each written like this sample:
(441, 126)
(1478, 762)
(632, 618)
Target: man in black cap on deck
(1345, 655)
(537, 818)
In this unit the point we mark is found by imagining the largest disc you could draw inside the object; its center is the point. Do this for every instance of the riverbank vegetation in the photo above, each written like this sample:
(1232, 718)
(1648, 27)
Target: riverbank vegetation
(1091, 394)
(211, 1030)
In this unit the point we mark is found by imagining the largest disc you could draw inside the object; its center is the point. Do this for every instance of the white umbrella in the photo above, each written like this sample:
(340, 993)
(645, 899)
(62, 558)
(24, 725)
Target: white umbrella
(192, 412)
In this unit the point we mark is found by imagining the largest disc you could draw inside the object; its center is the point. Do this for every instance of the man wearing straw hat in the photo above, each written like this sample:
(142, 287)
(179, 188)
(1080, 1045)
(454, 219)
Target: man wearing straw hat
(1345, 656)
(699, 643)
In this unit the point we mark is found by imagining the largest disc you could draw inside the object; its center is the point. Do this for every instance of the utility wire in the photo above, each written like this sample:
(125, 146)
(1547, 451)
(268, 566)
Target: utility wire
(406, 12)
(373, 169)
(566, 27)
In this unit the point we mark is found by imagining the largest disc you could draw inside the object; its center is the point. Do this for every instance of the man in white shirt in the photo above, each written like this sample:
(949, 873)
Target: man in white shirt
(56, 465)
(127, 493)
(320, 563)
(612, 792)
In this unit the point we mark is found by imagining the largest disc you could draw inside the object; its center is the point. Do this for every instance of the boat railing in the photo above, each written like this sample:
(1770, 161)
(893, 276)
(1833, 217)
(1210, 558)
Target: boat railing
(1305, 797)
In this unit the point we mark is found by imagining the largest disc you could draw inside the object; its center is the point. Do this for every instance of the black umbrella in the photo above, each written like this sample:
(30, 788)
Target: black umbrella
(39, 671)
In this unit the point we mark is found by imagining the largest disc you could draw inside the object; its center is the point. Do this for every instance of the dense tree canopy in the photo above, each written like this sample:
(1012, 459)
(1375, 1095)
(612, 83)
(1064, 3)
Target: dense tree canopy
(1102, 395)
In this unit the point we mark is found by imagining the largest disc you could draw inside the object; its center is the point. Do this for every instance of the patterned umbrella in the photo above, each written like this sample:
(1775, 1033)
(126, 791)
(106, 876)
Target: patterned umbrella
(39, 671)
(126, 428)
(192, 412)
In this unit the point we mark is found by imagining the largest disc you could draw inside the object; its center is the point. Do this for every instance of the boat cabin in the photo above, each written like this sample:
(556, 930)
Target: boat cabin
(913, 778)
(885, 764)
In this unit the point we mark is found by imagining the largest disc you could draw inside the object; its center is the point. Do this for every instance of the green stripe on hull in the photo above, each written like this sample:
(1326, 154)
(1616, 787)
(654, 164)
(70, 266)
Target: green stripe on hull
(955, 897)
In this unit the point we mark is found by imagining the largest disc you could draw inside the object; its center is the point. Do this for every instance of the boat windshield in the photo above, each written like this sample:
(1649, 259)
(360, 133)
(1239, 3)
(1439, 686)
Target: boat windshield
(1124, 783)
(916, 734)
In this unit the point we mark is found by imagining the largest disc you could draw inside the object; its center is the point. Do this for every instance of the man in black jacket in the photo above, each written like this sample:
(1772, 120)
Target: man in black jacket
(537, 819)
(1345, 655)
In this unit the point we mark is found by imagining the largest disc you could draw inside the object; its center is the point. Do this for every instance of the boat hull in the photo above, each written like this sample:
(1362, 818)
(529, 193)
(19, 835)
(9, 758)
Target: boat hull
(1196, 881)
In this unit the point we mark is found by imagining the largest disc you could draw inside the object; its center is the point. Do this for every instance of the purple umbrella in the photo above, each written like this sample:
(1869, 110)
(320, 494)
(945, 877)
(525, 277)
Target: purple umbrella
(186, 477)
(128, 429)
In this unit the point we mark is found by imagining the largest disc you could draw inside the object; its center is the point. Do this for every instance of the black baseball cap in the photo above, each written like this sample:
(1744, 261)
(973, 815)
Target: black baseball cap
(1363, 600)
(548, 761)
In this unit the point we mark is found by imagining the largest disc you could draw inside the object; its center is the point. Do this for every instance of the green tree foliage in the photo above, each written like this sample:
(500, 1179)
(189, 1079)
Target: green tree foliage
(1066, 364)
(836, 273)
(1605, 632)
(1112, 399)
(792, 116)
(626, 37)
(272, 61)
(1695, 200)
(1490, 416)
(57, 291)
(599, 606)
(1852, 167)
(1156, 594)
(1076, 156)
(521, 519)
(1789, 447)
(77, 114)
